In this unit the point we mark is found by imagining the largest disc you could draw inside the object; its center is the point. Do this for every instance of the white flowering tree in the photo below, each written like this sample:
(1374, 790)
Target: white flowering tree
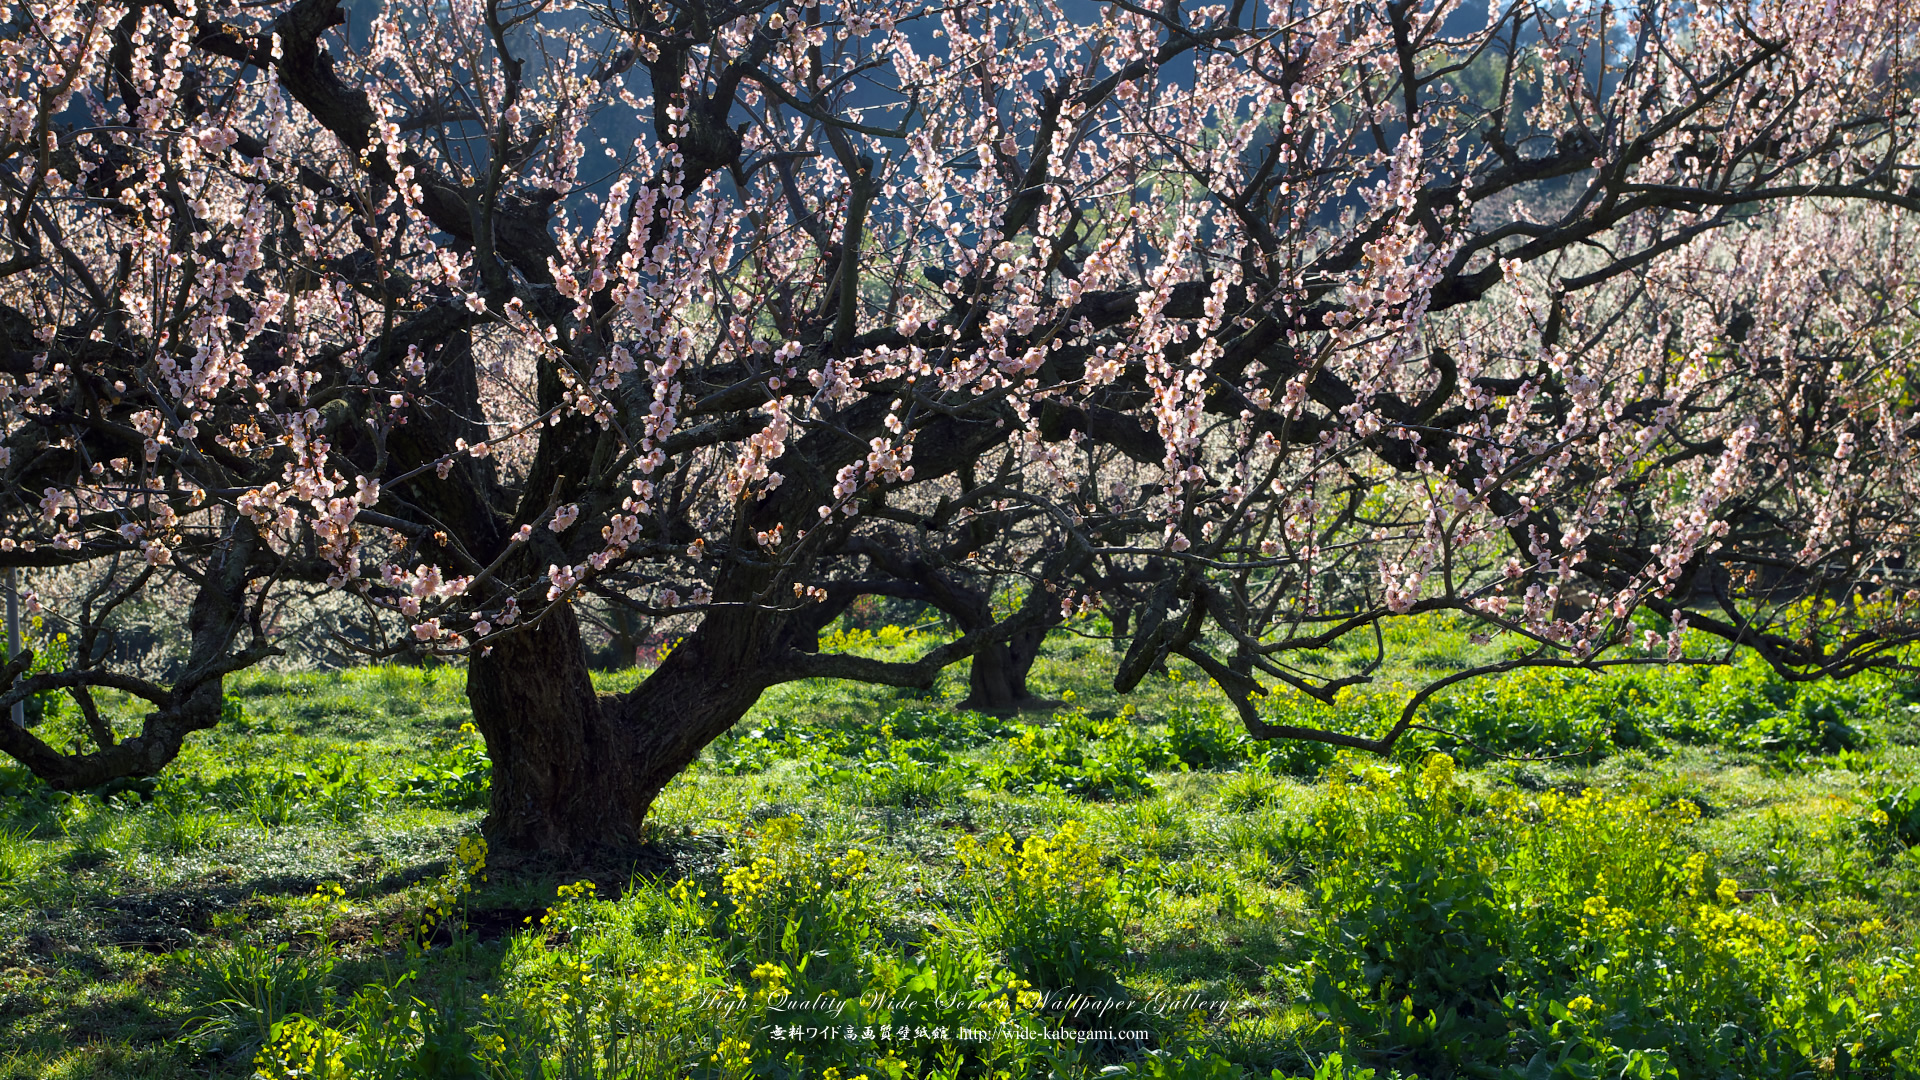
(1284, 319)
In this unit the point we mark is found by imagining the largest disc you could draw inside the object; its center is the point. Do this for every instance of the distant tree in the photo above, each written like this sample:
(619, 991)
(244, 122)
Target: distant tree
(1283, 320)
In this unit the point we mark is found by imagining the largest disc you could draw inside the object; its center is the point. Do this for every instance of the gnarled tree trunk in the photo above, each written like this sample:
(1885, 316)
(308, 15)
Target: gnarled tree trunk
(997, 682)
(574, 771)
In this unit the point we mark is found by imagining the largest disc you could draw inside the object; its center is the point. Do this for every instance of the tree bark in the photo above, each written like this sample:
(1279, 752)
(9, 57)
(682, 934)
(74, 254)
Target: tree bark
(575, 772)
(1121, 615)
(997, 681)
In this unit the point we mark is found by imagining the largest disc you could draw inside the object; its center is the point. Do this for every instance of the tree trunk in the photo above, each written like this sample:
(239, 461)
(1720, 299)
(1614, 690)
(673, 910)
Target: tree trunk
(575, 772)
(997, 682)
(559, 773)
(1120, 615)
(628, 634)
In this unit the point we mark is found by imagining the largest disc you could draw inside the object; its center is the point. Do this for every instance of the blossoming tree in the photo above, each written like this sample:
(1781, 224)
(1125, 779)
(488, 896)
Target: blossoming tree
(1291, 318)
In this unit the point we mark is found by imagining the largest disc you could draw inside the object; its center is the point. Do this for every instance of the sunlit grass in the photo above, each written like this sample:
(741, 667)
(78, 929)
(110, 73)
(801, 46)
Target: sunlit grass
(106, 906)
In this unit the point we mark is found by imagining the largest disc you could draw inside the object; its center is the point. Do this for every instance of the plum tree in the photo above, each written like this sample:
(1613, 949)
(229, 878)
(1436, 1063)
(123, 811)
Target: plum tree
(1281, 318)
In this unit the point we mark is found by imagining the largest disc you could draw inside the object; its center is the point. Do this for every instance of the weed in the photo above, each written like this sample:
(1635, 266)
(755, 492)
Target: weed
(1080, 755)
(1191, 1064)
(1246, 791)
(444, 905)
(1203, 738)
(1046, 903)
(380, 1034)
(456, 774)
(922, 871)
(236, 995)
(17, 854)
(791, 900)
(182, 831)
(1580, 930)
(910, 784)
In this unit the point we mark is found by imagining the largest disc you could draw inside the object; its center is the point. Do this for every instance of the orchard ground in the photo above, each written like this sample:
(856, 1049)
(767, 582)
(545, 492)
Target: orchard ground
(1711, 874)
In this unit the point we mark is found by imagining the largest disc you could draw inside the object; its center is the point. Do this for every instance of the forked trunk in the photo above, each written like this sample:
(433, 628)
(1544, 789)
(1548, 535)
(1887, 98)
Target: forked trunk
(575, 772)
(997, 683)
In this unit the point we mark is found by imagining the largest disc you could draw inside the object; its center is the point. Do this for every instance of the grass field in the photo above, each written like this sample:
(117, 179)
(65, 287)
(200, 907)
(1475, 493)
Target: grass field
(1711, 875)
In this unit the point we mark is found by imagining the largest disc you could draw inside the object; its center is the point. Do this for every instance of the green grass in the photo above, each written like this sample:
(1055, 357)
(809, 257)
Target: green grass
(285, 865)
